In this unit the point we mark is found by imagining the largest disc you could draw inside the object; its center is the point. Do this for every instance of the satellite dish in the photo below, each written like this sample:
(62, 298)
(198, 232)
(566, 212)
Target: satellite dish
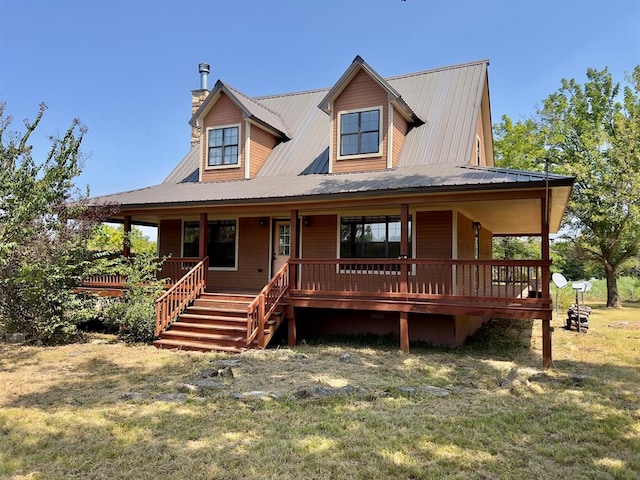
(559, 280)
(587, 286)
(578, 286)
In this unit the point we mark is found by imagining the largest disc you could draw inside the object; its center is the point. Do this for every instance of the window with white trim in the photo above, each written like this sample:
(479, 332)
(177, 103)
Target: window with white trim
(221, 242)
(360, 132)
(371, 237)
(223, 146)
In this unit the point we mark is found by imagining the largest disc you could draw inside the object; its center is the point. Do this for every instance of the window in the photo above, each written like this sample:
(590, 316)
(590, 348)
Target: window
(221, 244)
(371, 237)
(284, 240)
(223, 146)
(478, 151)
(360, 132)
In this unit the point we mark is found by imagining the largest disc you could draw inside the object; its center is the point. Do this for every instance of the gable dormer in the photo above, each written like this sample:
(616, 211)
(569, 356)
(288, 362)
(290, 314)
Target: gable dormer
(237, 134)
(369, 120)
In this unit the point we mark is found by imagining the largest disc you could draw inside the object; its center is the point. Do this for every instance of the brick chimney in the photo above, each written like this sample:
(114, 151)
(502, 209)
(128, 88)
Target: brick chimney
(197, 97)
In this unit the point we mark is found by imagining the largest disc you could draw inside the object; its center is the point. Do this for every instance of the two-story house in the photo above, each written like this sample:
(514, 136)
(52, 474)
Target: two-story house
(369, 206)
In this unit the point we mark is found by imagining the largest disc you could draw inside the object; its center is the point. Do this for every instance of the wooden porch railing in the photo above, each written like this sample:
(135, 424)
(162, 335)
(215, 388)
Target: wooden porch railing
(174, 268)
(107, 280)
(181, 294)
(479, 280)
(265, 304)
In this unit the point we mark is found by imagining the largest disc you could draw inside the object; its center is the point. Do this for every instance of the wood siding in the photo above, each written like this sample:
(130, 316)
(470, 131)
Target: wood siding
(224, 112)
(400, 127)
(433, 234)
(479, 134)
(261, 145)
(319, 239)
(362, 92)
(170, 238)
(253, 260)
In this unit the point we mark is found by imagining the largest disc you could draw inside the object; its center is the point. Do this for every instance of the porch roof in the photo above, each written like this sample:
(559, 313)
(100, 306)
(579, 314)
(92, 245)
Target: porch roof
(411, 180)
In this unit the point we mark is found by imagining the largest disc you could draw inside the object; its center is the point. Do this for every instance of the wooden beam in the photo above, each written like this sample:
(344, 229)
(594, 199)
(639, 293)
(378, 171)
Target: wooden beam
(204, 235)
(404, 248)
(291, 325)
(546, 324)
(404, 332)
(294, 251)
(203, 244)
(126, 244)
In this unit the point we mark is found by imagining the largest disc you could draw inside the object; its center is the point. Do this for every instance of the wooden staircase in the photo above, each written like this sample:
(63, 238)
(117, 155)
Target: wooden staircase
(215, 322)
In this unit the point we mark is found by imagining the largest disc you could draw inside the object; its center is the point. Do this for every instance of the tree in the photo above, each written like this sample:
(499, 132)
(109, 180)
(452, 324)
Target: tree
(111, 238)
(43, 234)
(592, 132)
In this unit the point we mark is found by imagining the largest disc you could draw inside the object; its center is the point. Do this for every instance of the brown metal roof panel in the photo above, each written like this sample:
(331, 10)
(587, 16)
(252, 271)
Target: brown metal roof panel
(188, 170)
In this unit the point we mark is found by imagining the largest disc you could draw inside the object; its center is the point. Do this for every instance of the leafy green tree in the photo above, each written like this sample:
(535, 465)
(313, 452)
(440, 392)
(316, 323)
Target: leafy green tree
(43, 234)
(590, 131)
(109, 238)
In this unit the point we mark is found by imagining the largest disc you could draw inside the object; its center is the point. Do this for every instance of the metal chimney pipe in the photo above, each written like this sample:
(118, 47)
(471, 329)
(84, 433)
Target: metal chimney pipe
(204, 75)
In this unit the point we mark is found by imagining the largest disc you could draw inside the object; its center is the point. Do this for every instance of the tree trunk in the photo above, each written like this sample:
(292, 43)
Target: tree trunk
(613, 300)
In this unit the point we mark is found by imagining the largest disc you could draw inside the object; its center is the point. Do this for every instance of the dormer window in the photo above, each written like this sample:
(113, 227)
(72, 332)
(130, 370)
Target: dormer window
(223, 146)
(360, 132)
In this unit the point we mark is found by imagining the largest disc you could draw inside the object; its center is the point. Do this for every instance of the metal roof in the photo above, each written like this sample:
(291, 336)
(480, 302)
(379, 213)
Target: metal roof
(435, 156)
(414, 179)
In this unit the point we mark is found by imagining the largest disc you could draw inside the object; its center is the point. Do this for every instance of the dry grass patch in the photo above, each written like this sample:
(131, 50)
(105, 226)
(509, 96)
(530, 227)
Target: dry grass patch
(116, 411)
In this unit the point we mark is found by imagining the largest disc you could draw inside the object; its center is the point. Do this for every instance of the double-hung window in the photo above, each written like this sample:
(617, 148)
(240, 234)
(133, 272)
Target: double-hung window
(221, 242)
(223, 146)
(360, 132)
(371, 237)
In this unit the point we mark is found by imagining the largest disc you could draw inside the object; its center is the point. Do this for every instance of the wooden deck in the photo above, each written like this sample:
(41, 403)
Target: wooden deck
(487, 288)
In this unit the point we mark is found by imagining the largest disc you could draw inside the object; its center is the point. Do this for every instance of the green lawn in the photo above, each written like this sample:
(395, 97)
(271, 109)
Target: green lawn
(95, 411)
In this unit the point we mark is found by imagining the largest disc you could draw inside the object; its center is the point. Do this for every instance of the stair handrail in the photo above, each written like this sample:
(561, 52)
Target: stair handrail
(265, 304)
(175, 300)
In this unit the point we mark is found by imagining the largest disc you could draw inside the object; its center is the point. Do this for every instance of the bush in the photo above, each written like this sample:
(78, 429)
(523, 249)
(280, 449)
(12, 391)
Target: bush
(134, 315)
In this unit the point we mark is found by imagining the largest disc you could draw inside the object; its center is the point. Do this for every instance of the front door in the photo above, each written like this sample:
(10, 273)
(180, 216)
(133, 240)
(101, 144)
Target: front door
(281, 244)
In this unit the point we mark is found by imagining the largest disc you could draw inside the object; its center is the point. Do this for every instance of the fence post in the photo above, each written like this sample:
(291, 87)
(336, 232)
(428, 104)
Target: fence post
(261, 320)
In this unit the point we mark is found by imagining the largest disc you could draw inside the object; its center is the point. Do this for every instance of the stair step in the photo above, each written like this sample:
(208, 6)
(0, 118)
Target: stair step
(205, 338)
(204, 328)
(195, 346)
(215, 310)
(209, 319)
(228, 297)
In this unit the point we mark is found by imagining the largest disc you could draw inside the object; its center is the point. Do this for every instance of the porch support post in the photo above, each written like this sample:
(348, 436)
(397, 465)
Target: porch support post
(404, 248)
(126, 244)
(546, 323)
(203, 243)
(291, 325)
(294, 252)
(404, 332)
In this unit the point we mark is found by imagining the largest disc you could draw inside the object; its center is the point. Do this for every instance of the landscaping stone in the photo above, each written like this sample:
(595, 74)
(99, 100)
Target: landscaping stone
(486, 382)
(345, 357)
(255, 394)
(231, 362)
(202, 387)
(437, 391)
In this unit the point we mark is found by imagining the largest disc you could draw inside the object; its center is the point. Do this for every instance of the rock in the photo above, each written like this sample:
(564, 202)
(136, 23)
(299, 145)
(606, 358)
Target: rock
(407, 390)
(226, 372)
(231, 362)
(323, 392)
(258, 394)
(437, 391)
(345, 357)
(301, 357)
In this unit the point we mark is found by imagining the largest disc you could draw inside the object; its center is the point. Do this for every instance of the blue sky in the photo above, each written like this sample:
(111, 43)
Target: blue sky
(126, 68)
